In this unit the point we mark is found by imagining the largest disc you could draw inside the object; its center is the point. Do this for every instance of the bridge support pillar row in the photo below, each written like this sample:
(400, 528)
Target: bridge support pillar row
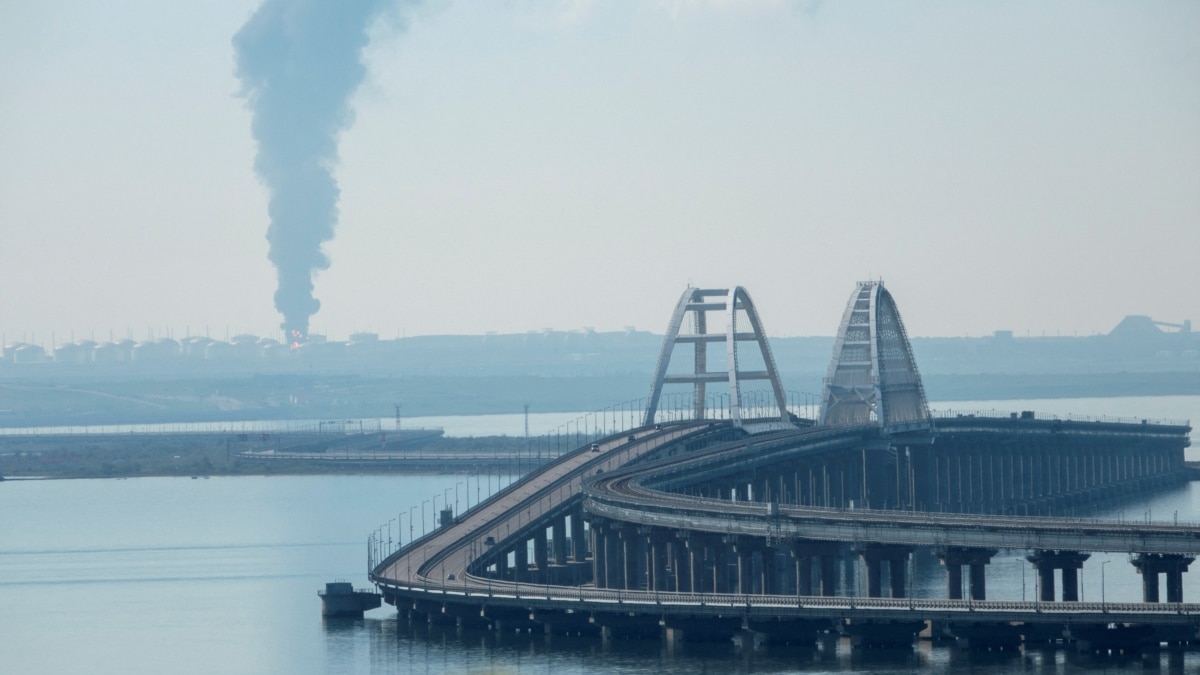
(975, 559)
(1150, 565)
(896, 558)
(1070, 562)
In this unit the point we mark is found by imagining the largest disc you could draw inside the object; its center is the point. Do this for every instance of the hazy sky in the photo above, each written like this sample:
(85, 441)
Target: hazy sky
(520, 165)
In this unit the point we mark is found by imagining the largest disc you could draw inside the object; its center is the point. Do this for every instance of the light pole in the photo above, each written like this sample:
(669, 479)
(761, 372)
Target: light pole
(1103, 599)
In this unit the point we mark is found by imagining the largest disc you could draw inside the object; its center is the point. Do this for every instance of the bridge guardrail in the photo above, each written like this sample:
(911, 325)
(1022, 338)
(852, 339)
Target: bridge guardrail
(955, 413)
(476, 587)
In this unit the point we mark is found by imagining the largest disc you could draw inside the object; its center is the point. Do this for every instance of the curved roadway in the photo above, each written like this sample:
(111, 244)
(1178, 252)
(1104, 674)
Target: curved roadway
(631, 495)
(435, 567)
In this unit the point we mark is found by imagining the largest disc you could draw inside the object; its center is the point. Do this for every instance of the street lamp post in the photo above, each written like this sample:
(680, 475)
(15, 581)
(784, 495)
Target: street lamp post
(1103, 599)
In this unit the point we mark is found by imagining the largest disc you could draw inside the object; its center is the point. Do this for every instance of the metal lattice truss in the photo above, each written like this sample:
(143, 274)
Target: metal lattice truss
(699, 303)
(873, 377)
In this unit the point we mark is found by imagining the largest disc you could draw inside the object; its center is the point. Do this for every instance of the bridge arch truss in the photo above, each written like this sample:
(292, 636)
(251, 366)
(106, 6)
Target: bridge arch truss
(741, 324)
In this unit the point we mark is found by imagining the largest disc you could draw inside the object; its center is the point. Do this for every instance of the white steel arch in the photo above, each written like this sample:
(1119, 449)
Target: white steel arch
(873, 376)
(699, 302)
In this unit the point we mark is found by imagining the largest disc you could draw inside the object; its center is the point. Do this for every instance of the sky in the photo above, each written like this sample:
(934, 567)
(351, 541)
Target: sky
(517, 166)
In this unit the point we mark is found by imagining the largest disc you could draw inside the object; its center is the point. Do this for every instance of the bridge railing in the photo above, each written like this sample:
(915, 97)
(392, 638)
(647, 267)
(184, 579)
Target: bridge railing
(958, 413)
(470, 586)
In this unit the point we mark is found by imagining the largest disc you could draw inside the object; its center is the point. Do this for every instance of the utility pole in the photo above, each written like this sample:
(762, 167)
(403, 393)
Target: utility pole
(527, 432)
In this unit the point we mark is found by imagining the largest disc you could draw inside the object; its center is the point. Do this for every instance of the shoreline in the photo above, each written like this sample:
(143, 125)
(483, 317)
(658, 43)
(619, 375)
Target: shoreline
(206, 455)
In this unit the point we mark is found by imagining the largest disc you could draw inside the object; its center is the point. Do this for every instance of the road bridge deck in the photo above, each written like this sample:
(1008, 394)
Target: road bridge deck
(630, 495)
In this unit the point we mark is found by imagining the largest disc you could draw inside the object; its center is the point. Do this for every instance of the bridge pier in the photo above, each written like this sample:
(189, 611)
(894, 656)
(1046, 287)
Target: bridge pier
(521, 561)
(954, 558)
(820, 557)
(559, 539)
(743, 550)
(579, 541)
(1150, 565)
(1070, 562)
(599, 559)
(897, 559)
(628, 558)
(541, 558)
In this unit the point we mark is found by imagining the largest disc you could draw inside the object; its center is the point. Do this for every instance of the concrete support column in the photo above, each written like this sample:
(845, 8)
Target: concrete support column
(874, 576)
(1175, 585)
(954, 582)
(1070, 583)
(1069, 562)
(501, 566)
(828, 572)
(1150, 565)
(803, 575)
(579, 547)
(1045, 575)
(976, 559)
(614, 560)
(599, 559)
(716, 564)
(521, 561)
(769, 581)
(629, 561)
(695, 561)
(559, 529)
(681, 564)
(896, 558)
(898, 568)
(1149, 585)
(541, 551)
(743, 570)
(978, 581)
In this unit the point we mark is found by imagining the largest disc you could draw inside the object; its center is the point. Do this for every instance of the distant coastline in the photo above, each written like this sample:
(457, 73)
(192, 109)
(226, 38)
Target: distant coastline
(25, 404)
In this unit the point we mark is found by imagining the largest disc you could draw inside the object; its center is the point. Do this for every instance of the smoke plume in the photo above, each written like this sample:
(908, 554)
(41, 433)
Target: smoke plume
(299, 62)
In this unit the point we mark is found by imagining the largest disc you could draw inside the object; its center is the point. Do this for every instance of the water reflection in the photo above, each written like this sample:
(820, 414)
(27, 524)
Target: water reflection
(396, 645)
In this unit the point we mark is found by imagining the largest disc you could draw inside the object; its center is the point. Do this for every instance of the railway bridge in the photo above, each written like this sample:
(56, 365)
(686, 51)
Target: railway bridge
(697, 528)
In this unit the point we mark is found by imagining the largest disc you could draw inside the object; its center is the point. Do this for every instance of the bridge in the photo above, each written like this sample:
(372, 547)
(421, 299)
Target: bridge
(695, 528)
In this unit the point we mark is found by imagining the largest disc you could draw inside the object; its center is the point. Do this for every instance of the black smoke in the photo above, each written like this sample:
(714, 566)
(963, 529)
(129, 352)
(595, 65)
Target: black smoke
(299, 62)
